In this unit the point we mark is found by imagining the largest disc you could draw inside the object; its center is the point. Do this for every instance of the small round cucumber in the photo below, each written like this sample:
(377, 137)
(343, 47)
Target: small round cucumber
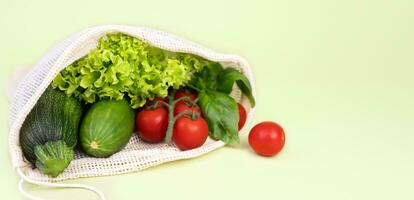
(107, 127)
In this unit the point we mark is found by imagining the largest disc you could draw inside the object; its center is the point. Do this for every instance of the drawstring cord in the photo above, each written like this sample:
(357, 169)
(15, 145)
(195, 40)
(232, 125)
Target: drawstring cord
(61, 185)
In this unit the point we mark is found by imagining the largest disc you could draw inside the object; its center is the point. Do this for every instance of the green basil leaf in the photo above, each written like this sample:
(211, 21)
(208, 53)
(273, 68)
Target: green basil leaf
(208, 77)
(226, 81)
(221, 114)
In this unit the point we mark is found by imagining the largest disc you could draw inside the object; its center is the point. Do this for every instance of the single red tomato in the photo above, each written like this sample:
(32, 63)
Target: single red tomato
(152, 124)
(183, 93)
(190, 133)
(242, 116)
(151, 102)
(182, 106)
(267, 138)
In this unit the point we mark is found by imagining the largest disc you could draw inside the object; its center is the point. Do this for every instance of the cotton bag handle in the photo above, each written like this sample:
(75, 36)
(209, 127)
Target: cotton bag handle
(60, 185)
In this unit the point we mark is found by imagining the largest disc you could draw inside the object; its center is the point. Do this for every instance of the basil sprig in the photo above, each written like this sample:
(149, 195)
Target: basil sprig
(214, 84)
(227, 79)
(221, 114)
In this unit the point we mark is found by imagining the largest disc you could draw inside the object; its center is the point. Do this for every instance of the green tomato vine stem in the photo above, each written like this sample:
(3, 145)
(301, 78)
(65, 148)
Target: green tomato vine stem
(170, 108)
(171, 119)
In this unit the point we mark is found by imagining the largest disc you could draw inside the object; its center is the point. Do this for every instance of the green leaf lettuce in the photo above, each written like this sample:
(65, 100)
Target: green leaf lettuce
(122, 66)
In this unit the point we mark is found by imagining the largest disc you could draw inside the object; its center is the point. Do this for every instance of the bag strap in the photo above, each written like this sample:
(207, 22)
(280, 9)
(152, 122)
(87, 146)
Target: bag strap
(24, 178)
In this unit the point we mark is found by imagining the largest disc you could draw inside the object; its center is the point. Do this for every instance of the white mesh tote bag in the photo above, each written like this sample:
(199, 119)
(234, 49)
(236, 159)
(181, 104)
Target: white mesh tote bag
(137, 155)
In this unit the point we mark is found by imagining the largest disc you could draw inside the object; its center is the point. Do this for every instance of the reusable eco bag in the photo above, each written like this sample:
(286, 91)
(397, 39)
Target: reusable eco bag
(137, 155)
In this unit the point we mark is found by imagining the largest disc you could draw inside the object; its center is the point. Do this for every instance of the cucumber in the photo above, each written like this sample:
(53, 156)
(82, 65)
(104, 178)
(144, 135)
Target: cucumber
(107, 127)
(50, 132)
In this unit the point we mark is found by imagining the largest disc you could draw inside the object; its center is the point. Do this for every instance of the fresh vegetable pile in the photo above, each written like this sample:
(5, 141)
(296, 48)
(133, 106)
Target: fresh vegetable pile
(123, 85)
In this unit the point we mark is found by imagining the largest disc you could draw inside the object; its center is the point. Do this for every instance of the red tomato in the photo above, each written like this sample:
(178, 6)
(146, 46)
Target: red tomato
(242, 116)
(151, 102)
(267, 138)
(183, 93)
(182, 106)
(189, 133)
(152, 124)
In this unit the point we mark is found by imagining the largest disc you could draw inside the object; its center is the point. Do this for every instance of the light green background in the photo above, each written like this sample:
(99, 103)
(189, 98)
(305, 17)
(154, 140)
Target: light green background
(338, 75)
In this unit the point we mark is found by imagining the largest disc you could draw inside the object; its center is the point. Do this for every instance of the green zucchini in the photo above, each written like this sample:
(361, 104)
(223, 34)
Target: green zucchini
(107, 127)
(50, 132)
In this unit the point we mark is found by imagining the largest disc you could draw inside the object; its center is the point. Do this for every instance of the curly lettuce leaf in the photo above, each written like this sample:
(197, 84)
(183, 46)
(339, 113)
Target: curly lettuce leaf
(125, 67)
